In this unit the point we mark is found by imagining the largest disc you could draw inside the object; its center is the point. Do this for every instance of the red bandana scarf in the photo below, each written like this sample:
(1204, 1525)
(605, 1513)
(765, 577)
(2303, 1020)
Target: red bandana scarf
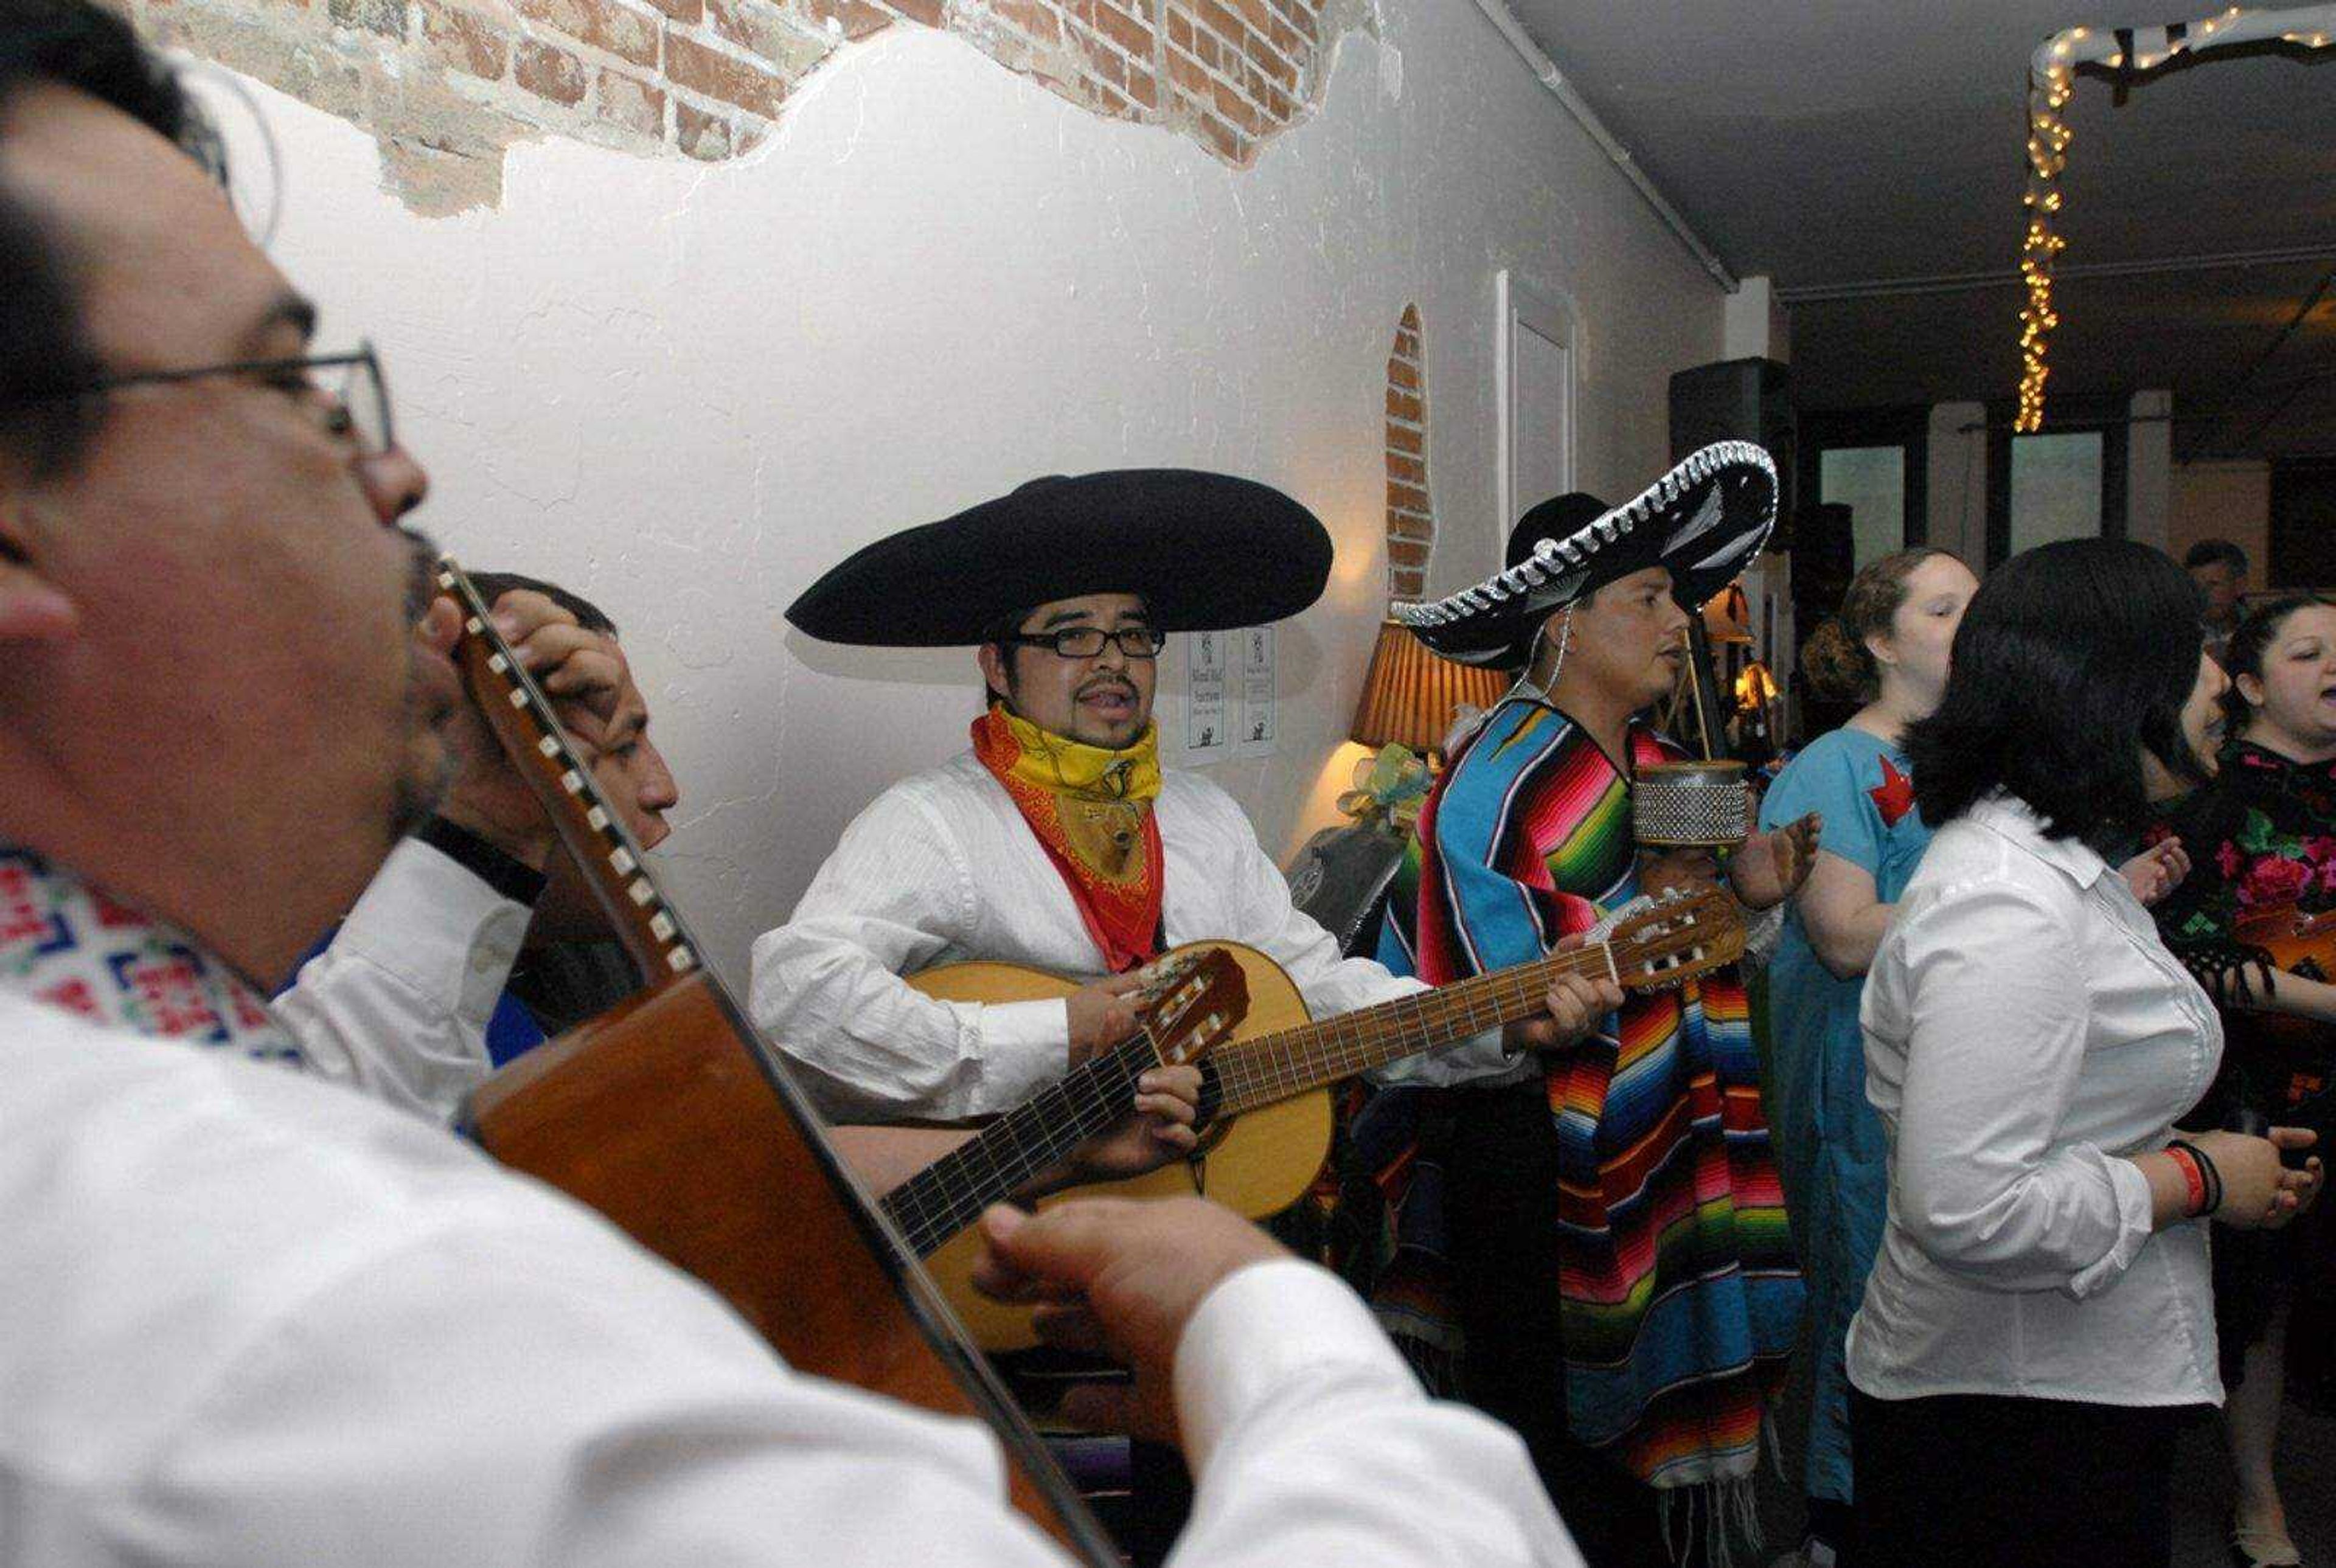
(1091, 810)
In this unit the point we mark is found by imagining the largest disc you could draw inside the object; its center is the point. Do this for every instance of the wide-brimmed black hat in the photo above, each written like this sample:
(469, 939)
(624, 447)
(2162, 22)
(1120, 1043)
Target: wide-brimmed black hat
(1704, 519)
(1206, 550)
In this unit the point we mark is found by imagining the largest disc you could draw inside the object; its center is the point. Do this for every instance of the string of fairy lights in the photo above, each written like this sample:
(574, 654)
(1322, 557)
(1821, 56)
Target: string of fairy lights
(2051, 80)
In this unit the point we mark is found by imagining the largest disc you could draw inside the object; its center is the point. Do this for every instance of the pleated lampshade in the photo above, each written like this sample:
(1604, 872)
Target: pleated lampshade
(1410, 693)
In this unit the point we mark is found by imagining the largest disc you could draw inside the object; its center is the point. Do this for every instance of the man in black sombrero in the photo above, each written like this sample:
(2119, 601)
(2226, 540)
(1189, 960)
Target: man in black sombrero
(1621, 1281)
(1056, 841)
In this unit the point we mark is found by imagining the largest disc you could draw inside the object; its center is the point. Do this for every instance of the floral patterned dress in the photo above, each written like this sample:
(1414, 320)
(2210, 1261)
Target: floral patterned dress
(2260, 895)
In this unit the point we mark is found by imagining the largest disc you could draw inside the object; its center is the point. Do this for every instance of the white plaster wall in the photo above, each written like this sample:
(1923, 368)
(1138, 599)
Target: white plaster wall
(687, 391)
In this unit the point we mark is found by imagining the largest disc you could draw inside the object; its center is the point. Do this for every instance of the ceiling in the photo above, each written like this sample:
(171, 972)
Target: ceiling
(1868, 157)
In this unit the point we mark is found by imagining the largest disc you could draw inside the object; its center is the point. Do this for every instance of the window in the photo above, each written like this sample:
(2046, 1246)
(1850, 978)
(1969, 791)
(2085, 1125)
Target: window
(1876, 463)
(1870, 480)
(2052, 485)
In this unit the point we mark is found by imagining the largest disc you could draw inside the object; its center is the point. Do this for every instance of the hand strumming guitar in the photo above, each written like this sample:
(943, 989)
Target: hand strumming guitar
(1122, 1277)
(580, 670)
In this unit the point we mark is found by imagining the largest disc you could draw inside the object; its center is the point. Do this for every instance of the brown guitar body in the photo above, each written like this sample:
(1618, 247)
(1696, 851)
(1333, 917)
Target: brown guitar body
(654, 1115)
(1255, 1165)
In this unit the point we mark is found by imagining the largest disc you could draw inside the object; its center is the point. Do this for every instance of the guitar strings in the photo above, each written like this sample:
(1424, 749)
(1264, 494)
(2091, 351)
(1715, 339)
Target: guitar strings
(948, 1194)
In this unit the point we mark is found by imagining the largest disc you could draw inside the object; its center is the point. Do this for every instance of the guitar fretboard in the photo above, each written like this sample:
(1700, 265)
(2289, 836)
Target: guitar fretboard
(1273, 1067)
(951, 1193)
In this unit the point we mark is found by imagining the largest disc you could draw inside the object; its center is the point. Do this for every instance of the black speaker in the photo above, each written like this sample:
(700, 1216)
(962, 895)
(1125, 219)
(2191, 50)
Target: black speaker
(1739, 399)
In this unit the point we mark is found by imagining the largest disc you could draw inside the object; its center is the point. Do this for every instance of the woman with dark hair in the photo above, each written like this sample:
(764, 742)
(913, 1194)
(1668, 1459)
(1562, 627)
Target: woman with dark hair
(2266, 836)
(2039, 1319)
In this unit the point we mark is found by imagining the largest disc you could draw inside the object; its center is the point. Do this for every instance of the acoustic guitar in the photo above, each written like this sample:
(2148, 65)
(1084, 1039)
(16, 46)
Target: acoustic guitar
(1267, 1106)
(669, 1116)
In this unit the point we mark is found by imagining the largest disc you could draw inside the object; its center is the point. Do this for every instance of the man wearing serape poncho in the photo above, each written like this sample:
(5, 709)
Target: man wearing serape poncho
(1623, 1282)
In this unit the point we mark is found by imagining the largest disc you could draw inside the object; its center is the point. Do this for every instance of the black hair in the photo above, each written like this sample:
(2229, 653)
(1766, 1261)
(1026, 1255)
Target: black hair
(2073, 659)
(493, 585)
(44, 348)
(2215, 552)
(2243, 654)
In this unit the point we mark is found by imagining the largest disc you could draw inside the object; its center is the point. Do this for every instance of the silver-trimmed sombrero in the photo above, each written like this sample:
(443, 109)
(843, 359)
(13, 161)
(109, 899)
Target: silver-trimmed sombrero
(1704, 520)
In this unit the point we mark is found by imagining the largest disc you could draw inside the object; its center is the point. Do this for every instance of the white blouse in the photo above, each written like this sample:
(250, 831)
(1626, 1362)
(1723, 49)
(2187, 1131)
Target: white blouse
(2026, 1032)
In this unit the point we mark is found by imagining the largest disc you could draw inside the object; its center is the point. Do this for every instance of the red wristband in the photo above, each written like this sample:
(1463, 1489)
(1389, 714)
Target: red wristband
(2192, 1177)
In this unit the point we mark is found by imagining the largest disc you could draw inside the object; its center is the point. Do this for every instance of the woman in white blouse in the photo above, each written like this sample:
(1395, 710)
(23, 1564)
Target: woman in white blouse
(2040, 1320)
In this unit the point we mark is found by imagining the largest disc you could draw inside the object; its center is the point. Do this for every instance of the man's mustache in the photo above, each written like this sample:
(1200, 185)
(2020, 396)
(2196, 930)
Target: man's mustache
(422, 584)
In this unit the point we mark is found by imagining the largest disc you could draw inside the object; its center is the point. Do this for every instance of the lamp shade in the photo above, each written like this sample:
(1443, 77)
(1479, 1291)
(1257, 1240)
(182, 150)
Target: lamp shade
(1728, 616)
(1411, 694)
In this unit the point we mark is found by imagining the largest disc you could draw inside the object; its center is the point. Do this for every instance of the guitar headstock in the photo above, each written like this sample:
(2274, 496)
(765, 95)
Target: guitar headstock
(1190, 1001)
(1686, 932)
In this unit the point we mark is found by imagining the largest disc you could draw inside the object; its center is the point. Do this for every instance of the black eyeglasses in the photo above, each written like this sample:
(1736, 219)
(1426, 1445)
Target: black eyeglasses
(345, 393)
(1086, 641)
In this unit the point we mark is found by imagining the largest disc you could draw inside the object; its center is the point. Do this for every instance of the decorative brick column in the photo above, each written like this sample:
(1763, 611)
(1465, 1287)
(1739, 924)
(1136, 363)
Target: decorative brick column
(1411, 515)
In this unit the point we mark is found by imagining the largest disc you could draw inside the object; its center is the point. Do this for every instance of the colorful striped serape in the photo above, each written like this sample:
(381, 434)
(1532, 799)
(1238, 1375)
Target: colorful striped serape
(1680, 1294)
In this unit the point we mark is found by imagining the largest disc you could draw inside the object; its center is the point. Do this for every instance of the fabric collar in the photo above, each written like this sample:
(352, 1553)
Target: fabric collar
(66, 945)
(2253, 755)
(2014, 819)
(1060, 766)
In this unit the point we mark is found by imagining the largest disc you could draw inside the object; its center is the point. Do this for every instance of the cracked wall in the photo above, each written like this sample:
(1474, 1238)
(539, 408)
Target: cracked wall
(446, 86)
(686, 389)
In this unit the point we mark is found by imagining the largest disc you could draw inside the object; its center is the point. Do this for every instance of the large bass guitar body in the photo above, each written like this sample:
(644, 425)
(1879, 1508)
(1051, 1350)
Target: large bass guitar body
(1256, 1164)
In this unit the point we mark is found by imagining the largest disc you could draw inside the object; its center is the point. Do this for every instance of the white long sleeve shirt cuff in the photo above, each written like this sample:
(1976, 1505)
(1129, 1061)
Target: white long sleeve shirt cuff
(398, 1006)
(2130, 1192)
(1258, 1329)
(1024, 1047)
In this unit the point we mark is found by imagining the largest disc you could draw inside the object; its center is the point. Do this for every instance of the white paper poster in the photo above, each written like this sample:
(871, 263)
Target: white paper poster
(1254, 737)
(1206, 736)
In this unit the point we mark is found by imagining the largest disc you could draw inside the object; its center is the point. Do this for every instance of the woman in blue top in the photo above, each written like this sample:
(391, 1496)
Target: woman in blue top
(1888, 649)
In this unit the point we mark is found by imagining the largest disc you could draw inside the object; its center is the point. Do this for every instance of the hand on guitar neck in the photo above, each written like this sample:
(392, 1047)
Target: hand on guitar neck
(580, 670)
(1576, 1003)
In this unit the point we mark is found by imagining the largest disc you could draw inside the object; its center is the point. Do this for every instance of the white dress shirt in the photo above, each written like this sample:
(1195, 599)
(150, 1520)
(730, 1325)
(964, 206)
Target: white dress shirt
(941, 867)
(2026, 1034)
(398, 1006)
(252, 1319)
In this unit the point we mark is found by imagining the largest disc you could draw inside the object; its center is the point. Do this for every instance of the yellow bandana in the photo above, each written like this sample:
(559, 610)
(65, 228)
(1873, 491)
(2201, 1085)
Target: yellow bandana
(1091, 809)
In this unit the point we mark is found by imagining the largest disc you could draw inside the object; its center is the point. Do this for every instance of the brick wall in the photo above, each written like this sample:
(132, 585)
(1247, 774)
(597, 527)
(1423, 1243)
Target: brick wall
(447, 84)
(1411, 515)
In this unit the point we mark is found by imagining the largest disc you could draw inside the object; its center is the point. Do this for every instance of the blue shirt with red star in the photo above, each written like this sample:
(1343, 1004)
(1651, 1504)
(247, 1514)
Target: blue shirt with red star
(1828, 1141)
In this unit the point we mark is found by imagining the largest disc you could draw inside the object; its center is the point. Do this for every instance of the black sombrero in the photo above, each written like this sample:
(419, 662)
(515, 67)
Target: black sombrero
(1704, 519)
(1206, 550)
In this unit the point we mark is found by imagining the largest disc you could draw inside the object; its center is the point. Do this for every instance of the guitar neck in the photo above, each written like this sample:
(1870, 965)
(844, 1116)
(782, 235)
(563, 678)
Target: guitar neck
(1274, 1067)
(951, 1193)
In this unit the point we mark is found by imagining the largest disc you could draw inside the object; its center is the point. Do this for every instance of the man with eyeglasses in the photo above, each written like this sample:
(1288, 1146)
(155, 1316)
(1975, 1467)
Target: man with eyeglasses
(1057, 842)
(252, 1318)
